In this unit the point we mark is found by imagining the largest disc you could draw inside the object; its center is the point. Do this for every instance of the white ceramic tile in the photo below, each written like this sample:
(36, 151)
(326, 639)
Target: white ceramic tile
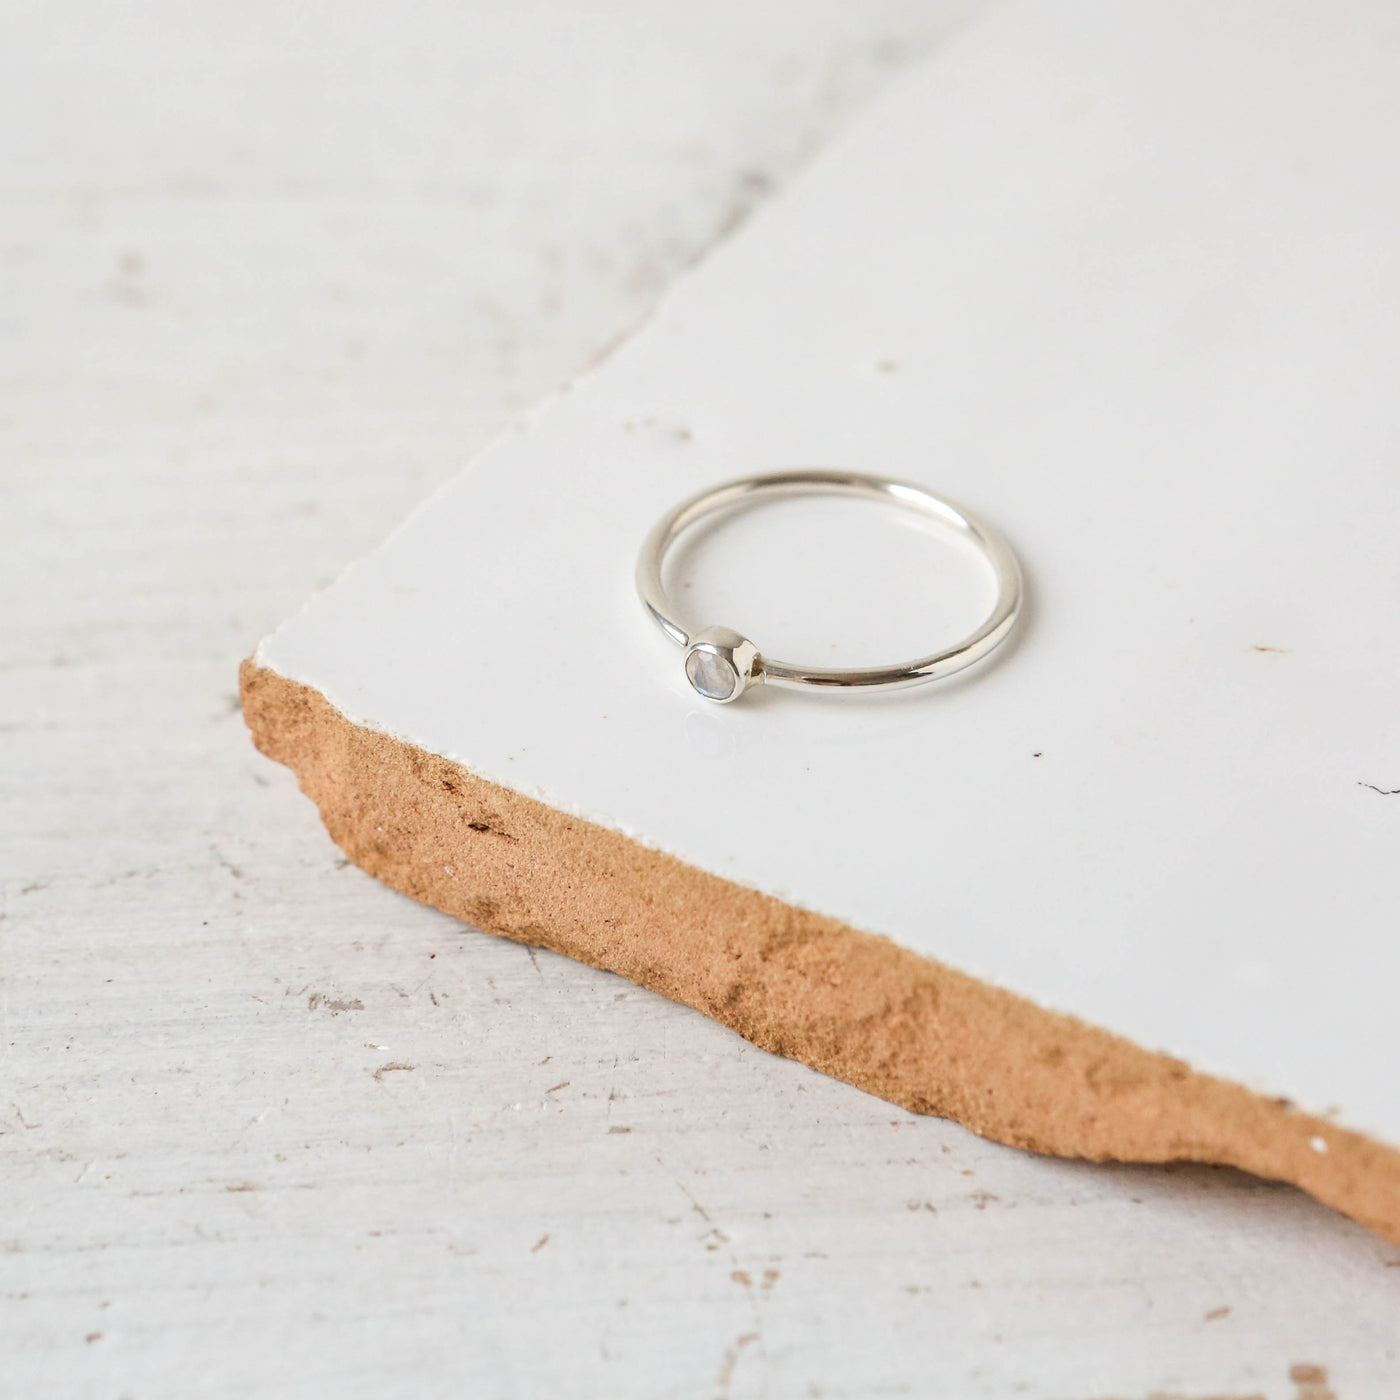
(1136, 298)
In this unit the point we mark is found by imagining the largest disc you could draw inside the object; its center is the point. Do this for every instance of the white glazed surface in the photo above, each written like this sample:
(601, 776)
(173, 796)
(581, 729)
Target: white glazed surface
(1136, 299)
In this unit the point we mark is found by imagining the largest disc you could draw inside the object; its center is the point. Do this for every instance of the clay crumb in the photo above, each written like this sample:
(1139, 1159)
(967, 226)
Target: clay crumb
(1215, 1314)
(1311, 1382)
(1276, 651)
(392, 1067)
(334, 1005)
(243, 1186)
(628, 1130)
(741, 1276)
(563, 1084)
(539, 1244)
(731, 1360)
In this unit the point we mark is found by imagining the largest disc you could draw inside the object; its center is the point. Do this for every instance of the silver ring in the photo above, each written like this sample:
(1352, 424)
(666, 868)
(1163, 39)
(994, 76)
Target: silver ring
(721, 665)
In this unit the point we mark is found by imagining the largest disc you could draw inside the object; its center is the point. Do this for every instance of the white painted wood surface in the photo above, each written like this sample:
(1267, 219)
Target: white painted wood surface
(268, 274)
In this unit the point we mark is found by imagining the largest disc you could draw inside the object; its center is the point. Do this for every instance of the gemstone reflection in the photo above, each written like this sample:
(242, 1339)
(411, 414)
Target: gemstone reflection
(711, 675)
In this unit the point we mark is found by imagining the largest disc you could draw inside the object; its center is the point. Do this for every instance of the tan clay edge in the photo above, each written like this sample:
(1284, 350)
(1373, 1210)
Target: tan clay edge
(847, 1003)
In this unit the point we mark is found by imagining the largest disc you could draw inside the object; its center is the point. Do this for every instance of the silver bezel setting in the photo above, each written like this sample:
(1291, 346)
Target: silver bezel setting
(733, 653)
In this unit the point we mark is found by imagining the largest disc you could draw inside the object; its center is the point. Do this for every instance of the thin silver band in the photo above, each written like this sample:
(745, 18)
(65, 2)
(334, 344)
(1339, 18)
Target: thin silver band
(716, 656)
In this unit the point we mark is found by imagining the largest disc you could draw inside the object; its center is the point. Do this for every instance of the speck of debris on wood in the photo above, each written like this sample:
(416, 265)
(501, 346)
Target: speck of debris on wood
(333, 1004)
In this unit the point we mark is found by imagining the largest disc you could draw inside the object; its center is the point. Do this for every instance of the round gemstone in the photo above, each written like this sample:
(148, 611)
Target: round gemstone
(711, 675)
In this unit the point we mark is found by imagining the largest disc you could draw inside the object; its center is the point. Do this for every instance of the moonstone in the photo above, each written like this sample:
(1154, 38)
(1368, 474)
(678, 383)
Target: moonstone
(711, 675)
